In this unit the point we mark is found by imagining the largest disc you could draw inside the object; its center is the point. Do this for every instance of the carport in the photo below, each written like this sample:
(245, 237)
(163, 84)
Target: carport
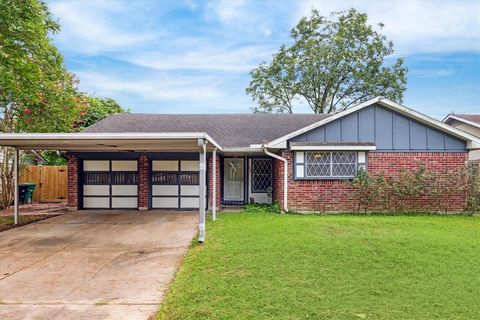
(199, 142)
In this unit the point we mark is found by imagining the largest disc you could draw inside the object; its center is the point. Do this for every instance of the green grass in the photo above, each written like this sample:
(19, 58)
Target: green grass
(7, 222)
(269, 266)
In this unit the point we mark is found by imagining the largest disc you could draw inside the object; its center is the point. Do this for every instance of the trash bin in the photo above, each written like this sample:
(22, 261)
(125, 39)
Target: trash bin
(25, 192)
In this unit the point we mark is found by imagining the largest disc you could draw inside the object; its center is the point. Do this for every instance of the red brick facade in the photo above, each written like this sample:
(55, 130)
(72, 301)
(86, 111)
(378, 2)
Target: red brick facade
(143, 182)
(304, 195)
(72, 201)
(336, 195)
(210, 182)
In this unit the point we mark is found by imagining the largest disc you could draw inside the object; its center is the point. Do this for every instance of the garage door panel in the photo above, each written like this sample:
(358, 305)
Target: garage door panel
(188, 203)
(189, 165)
(175, 184)
(96, 202)
(124, 190)
(165, 202)
(165, 165)
(165, 190)
(110, 184)
(96, 190)
(124, 165)
(96, 165)
(190, 190)
(124, 202)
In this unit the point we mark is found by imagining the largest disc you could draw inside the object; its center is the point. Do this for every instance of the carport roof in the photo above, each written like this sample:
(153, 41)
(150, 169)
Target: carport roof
(171, 141)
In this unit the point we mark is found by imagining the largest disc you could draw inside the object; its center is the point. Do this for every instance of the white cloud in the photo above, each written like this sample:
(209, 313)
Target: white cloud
(93, 26)
(431, 73)
(228, 11)
(164, 87)
(204, 57)
(415, 26)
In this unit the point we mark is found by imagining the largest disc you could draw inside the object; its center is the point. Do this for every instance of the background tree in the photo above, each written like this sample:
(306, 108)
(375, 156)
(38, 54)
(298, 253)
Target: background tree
(98, 109)
(331, 65)
(37, 94)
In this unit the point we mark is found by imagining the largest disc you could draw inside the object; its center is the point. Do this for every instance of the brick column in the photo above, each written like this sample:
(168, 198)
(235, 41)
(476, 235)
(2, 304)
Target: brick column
(210, 182)
(72, 172)
(143, 182)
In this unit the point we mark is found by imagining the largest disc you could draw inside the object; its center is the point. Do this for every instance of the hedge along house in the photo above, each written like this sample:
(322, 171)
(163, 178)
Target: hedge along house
(196, 162)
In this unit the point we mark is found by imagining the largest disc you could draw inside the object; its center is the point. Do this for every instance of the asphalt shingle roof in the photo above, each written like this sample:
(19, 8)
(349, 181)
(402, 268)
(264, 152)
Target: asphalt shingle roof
(229, 130)
(470, 117)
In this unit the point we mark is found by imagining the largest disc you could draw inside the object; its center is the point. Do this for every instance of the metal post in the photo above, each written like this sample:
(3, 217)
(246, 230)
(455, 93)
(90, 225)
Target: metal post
(15, 182)
(214, 169)
(202, 193)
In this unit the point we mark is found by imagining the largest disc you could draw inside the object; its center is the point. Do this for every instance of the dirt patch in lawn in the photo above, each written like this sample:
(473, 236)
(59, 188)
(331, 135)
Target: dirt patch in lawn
(31, 212)
(6, 222)
(36, 208)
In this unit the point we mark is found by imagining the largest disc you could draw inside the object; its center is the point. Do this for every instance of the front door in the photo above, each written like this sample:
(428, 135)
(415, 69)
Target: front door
(233, 179)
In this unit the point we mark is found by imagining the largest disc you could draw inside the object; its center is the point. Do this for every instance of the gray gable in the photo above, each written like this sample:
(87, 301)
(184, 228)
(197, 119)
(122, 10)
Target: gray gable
(387, 129)
(229, 130)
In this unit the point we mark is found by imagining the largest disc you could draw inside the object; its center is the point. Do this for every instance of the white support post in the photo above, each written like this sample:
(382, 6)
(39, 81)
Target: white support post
(15, 183)
(214, 186)
(203, 178)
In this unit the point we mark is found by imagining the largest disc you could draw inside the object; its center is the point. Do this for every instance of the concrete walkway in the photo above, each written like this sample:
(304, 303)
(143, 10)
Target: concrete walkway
(92, 264)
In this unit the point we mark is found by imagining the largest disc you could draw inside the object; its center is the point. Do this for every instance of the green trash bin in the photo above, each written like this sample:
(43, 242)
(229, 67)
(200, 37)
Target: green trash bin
(25, 192)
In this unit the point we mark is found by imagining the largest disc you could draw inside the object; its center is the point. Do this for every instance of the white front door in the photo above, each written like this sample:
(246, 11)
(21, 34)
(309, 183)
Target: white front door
(233, 179)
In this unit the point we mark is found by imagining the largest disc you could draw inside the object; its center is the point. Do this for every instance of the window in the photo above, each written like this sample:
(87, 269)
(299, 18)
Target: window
(331, 164)
(261, 175)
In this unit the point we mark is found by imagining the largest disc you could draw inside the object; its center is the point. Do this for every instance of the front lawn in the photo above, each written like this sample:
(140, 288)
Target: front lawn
(269, 266)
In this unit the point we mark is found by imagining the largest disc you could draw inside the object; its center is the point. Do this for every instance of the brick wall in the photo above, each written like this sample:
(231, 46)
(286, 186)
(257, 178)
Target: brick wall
(143, 182)
(210, 182)
(72, 164)
(336, 195)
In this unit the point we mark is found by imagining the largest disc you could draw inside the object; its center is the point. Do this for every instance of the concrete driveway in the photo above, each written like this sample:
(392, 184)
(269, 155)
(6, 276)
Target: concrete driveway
(92, 264)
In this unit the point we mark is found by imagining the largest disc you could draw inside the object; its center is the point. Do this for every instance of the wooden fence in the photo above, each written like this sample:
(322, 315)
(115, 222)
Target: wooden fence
(51, 182)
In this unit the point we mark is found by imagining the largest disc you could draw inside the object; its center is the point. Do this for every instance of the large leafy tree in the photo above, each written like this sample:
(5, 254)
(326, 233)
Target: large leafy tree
(98, 109)
(332, 64)
(37, 94)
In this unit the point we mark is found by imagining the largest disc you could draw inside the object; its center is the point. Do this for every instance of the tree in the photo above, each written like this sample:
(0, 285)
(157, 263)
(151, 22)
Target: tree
(37, 94)
(98, 109)
(331, 65)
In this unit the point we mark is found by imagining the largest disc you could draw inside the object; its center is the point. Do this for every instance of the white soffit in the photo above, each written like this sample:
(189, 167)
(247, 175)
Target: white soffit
(333, 148)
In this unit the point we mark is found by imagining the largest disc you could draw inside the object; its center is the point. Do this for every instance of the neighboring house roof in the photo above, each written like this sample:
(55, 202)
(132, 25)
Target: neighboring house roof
(228, 130)
(470, 119)
(472, 140)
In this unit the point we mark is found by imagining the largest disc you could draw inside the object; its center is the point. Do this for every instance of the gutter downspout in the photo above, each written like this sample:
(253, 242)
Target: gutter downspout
(285, 176)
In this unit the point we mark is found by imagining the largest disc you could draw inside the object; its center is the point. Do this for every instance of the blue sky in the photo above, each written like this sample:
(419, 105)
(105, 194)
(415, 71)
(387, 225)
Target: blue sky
(195, 56)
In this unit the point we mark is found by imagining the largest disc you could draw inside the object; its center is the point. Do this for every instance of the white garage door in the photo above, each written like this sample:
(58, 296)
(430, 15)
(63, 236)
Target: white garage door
(175, 184)
(110, 184)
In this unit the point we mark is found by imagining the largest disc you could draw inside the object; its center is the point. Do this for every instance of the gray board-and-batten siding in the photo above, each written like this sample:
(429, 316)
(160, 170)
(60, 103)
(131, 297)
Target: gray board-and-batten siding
(387, 129)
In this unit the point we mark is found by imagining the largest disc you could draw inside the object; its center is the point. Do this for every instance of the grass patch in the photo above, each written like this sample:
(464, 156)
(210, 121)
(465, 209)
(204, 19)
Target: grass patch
(6, 222)
(270, 266)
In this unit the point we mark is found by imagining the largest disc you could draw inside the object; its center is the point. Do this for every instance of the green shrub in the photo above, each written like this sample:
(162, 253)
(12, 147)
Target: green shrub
(262, 208)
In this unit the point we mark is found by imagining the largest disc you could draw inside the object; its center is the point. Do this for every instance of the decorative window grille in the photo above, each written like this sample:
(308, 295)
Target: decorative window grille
(189, 178)
(96, 177)
(261, 175)
(331, 164)
(164, 177)
(110, 177)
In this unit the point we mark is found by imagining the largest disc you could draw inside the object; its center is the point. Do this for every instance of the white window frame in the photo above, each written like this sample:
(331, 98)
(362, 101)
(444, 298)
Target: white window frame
(331, 165)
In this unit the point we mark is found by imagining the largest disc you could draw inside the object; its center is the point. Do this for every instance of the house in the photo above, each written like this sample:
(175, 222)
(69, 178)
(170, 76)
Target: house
(301, 161)
(469, 123)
